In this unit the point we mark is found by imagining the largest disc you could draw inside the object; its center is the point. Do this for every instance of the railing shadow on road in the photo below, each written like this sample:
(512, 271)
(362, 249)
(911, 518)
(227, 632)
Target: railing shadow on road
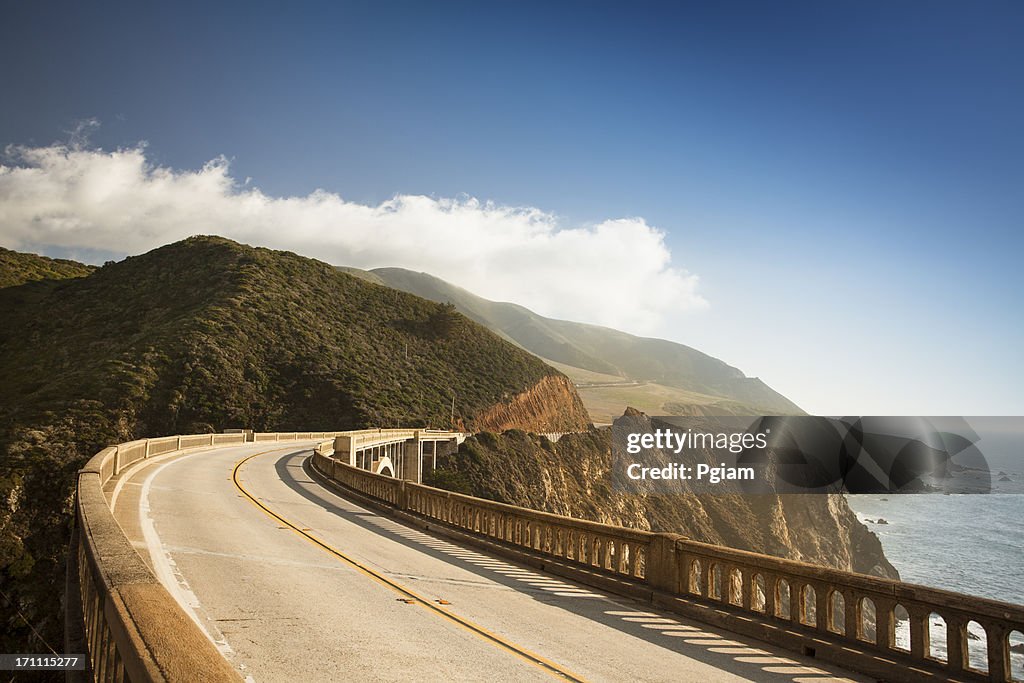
(715, 647)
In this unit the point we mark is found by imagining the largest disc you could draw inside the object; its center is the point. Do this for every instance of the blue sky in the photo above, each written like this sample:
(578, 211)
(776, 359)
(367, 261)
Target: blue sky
(845, 179)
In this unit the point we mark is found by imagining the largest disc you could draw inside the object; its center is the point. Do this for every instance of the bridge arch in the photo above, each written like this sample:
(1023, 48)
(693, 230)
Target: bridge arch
(900, 627)
(836, 621)
(1015, 645)
(695, 577)
(808, 605)
(866, 628)
(977, 647)
(782, 599)
(758, 594)
(385, 467)
(936, 637)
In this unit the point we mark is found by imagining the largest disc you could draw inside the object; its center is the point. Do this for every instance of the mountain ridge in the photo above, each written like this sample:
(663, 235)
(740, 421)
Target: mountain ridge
(595, 348)
(18, 268)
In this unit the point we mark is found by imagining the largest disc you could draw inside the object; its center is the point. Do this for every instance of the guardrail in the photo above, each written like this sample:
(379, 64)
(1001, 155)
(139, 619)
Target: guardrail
(295, 436)
(133, 629)
(847, 618)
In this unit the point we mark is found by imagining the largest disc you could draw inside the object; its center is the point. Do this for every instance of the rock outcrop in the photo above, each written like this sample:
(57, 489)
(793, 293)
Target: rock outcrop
(573, 477)
(550, 405)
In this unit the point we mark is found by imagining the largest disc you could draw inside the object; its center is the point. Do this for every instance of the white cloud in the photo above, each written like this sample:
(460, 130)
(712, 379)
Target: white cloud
(618, 272)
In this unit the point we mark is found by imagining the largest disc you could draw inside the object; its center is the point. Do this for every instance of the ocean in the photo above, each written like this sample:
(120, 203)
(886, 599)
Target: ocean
(966, 543)
(969, 543)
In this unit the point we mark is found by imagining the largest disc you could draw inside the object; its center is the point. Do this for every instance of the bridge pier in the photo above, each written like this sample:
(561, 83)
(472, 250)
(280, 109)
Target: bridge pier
(412, 461)
(407, 453)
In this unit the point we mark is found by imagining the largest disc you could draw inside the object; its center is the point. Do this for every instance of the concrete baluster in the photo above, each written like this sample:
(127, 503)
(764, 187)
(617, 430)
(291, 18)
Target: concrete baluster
(822, 608)
(998, 652)
(851, 614)
(956, 642)
(401, 497)
(663, 563)
(747, 588)
(796, 602)
(769, 593)
(918, 617)
(885, 623)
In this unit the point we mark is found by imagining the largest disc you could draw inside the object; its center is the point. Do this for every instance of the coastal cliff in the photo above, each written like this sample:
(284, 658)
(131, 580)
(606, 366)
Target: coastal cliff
(550, 405)
(573, 477)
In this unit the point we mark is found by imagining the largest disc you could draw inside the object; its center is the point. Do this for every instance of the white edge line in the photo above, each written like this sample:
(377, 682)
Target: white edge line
(176, 586)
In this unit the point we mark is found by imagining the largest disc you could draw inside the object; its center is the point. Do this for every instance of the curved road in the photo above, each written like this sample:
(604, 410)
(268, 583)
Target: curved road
(329, 589)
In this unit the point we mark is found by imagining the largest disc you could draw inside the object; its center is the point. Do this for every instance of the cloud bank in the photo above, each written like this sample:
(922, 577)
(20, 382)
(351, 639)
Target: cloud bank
(617, 272)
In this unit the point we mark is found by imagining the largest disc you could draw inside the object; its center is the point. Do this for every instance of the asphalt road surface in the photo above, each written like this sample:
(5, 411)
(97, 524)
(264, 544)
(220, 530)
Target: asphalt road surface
(299, 584)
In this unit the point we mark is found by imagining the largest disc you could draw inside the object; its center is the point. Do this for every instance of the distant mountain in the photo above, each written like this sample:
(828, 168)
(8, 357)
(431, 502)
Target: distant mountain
(17, 268)
(603, 350)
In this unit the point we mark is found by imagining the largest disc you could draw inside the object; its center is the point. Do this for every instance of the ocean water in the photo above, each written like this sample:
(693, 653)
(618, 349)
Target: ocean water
(966, 543)
(971, 544)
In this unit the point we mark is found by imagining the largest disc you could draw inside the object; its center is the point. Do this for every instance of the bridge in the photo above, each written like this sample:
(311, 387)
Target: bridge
(320, 555)
(401, 453)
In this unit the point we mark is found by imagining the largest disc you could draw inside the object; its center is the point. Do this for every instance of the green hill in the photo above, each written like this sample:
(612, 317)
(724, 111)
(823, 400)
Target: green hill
(207, 334)
(17, 268)
(595, 349)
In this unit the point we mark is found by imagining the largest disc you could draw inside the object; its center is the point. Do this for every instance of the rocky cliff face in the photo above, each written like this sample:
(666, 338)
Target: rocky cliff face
(550, 405)
(573, 477)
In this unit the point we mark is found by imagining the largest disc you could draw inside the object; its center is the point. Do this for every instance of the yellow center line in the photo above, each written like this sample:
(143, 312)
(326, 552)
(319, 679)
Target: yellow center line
(408, 594)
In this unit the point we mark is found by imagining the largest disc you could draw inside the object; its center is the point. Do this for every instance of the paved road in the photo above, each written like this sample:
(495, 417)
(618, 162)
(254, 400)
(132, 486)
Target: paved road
(283, 608)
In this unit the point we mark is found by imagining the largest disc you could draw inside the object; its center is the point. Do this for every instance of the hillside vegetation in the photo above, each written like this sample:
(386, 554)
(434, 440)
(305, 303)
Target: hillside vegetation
(17, 268)
(208, 334)
(607, 396)
(581, 349)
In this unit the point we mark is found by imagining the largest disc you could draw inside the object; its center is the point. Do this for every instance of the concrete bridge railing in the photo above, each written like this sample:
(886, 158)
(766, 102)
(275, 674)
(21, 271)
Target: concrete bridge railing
(130, 626)
(843, 617)
(133, 629)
